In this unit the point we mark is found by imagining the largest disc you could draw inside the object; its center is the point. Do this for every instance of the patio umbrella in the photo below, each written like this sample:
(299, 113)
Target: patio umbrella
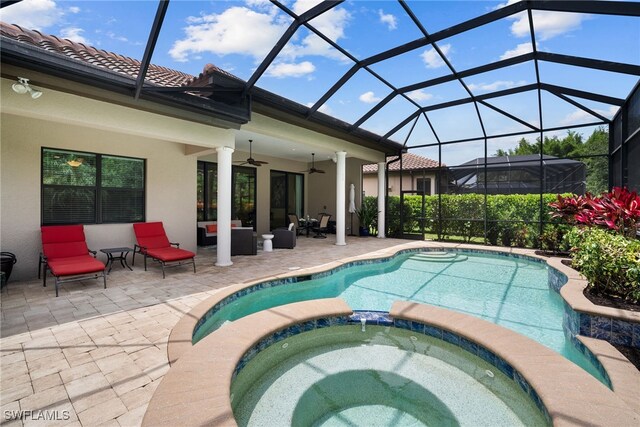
(352, 198)
(352, 205)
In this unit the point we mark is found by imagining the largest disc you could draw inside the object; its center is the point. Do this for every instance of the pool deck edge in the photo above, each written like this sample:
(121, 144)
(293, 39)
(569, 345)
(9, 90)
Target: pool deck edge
(570, 395)
(624, 376)
(180, 338)
(196, 390)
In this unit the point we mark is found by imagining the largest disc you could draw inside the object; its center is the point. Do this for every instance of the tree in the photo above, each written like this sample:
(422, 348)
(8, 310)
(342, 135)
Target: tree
(597, 167)
(569, 146)
(573, 145)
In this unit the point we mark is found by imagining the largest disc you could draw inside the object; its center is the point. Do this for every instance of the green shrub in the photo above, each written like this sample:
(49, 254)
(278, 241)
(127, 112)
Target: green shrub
(609, 261)
(393, 215)
(512, 218)
(368, 214)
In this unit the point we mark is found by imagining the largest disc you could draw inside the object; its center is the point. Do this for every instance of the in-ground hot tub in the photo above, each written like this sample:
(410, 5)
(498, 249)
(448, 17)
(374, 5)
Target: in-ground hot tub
(376, 375)
(197, 390)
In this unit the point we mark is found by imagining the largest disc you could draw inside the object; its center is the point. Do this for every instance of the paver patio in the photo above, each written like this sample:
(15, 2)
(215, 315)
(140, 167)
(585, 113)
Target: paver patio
(95, 356)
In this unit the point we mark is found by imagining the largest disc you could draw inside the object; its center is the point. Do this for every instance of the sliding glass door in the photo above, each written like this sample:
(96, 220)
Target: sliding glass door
(243, 204)
(207, 204)
(243, 193)
(287, 196)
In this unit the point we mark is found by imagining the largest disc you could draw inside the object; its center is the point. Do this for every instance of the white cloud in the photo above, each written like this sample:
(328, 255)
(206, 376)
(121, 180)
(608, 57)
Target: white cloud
(258, 3)
(431, 57)
(74, 9)
(114, 36)
(73, 34)
(501, 5)
(32, 14)
(521, 49)
(579, 116)
(236, 30)
(253, 32)
(331, 23)
(369, 98)
(419, 95)
(282, 69)
(547, 24)
(324, 108)
(498, 84)
(388, 19)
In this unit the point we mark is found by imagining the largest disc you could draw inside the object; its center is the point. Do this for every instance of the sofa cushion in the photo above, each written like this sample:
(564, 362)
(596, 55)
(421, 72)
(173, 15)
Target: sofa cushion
(212, 228)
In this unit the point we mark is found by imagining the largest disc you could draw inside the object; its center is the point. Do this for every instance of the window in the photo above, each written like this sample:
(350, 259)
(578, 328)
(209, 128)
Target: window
(243, 193)
(89, 188)
(423, 185)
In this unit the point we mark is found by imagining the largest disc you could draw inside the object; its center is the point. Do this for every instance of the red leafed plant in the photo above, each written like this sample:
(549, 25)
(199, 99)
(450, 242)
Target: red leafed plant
(568, 208)
(617, 210)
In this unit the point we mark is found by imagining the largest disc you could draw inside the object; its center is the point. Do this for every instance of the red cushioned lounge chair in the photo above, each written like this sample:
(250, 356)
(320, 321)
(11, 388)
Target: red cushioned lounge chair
(153, 243)
(65, 254)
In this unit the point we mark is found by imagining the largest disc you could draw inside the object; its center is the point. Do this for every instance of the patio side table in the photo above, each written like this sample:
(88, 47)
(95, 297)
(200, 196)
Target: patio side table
(124, 251)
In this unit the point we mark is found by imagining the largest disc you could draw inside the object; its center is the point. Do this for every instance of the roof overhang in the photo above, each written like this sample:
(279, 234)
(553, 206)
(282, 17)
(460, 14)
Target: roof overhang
(32, 58)
(283, 109)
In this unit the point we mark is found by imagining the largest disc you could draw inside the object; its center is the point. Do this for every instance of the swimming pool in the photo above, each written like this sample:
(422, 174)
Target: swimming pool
(510, 291)
(342, 375)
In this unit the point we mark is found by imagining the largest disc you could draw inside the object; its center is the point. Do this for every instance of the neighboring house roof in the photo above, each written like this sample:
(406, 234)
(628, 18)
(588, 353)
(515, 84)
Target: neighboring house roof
(410, 161)
(519, 161)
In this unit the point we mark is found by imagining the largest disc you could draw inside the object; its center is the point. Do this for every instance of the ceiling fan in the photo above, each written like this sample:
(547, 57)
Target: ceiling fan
(313, 165)
(251, 160)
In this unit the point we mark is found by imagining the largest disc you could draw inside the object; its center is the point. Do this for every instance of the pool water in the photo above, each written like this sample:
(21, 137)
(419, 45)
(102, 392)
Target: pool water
(340, 376)
(508, 291)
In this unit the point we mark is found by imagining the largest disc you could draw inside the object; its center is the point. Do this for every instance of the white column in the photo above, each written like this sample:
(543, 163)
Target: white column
(224, 206)
(382, 192)
(341, 183)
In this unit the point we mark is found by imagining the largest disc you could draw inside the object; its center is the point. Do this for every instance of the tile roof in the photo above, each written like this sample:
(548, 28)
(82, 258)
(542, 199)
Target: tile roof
(410, 161)
(161, 76)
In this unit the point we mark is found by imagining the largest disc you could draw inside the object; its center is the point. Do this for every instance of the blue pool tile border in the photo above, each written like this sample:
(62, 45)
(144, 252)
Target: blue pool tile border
(576, 323)
(615, 331)
(382, 318)
(298, 279)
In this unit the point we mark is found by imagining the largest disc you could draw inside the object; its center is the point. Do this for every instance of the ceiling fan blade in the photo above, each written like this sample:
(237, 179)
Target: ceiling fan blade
(319, 171)
(262, 162)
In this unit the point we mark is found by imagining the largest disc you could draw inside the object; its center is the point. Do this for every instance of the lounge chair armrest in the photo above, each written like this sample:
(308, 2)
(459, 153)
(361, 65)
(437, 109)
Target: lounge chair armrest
(177, 245)
(43, 257)
(138, 248)
(94, 253)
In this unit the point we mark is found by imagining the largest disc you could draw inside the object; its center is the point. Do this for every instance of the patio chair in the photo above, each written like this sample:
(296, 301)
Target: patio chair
(153, 243)
(283, 238)
(66, 255)
(322, 228)
(293, 218)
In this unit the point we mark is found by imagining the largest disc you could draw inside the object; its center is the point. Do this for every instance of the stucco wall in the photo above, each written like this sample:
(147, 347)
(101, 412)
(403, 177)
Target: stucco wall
(409, 182)
(170, 181)
(322, 189)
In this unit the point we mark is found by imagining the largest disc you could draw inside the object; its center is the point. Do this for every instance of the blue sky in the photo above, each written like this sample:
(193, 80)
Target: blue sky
(236, 36)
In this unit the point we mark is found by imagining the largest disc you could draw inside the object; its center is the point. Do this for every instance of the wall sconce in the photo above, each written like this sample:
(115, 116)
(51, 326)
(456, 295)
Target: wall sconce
(23, 87)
